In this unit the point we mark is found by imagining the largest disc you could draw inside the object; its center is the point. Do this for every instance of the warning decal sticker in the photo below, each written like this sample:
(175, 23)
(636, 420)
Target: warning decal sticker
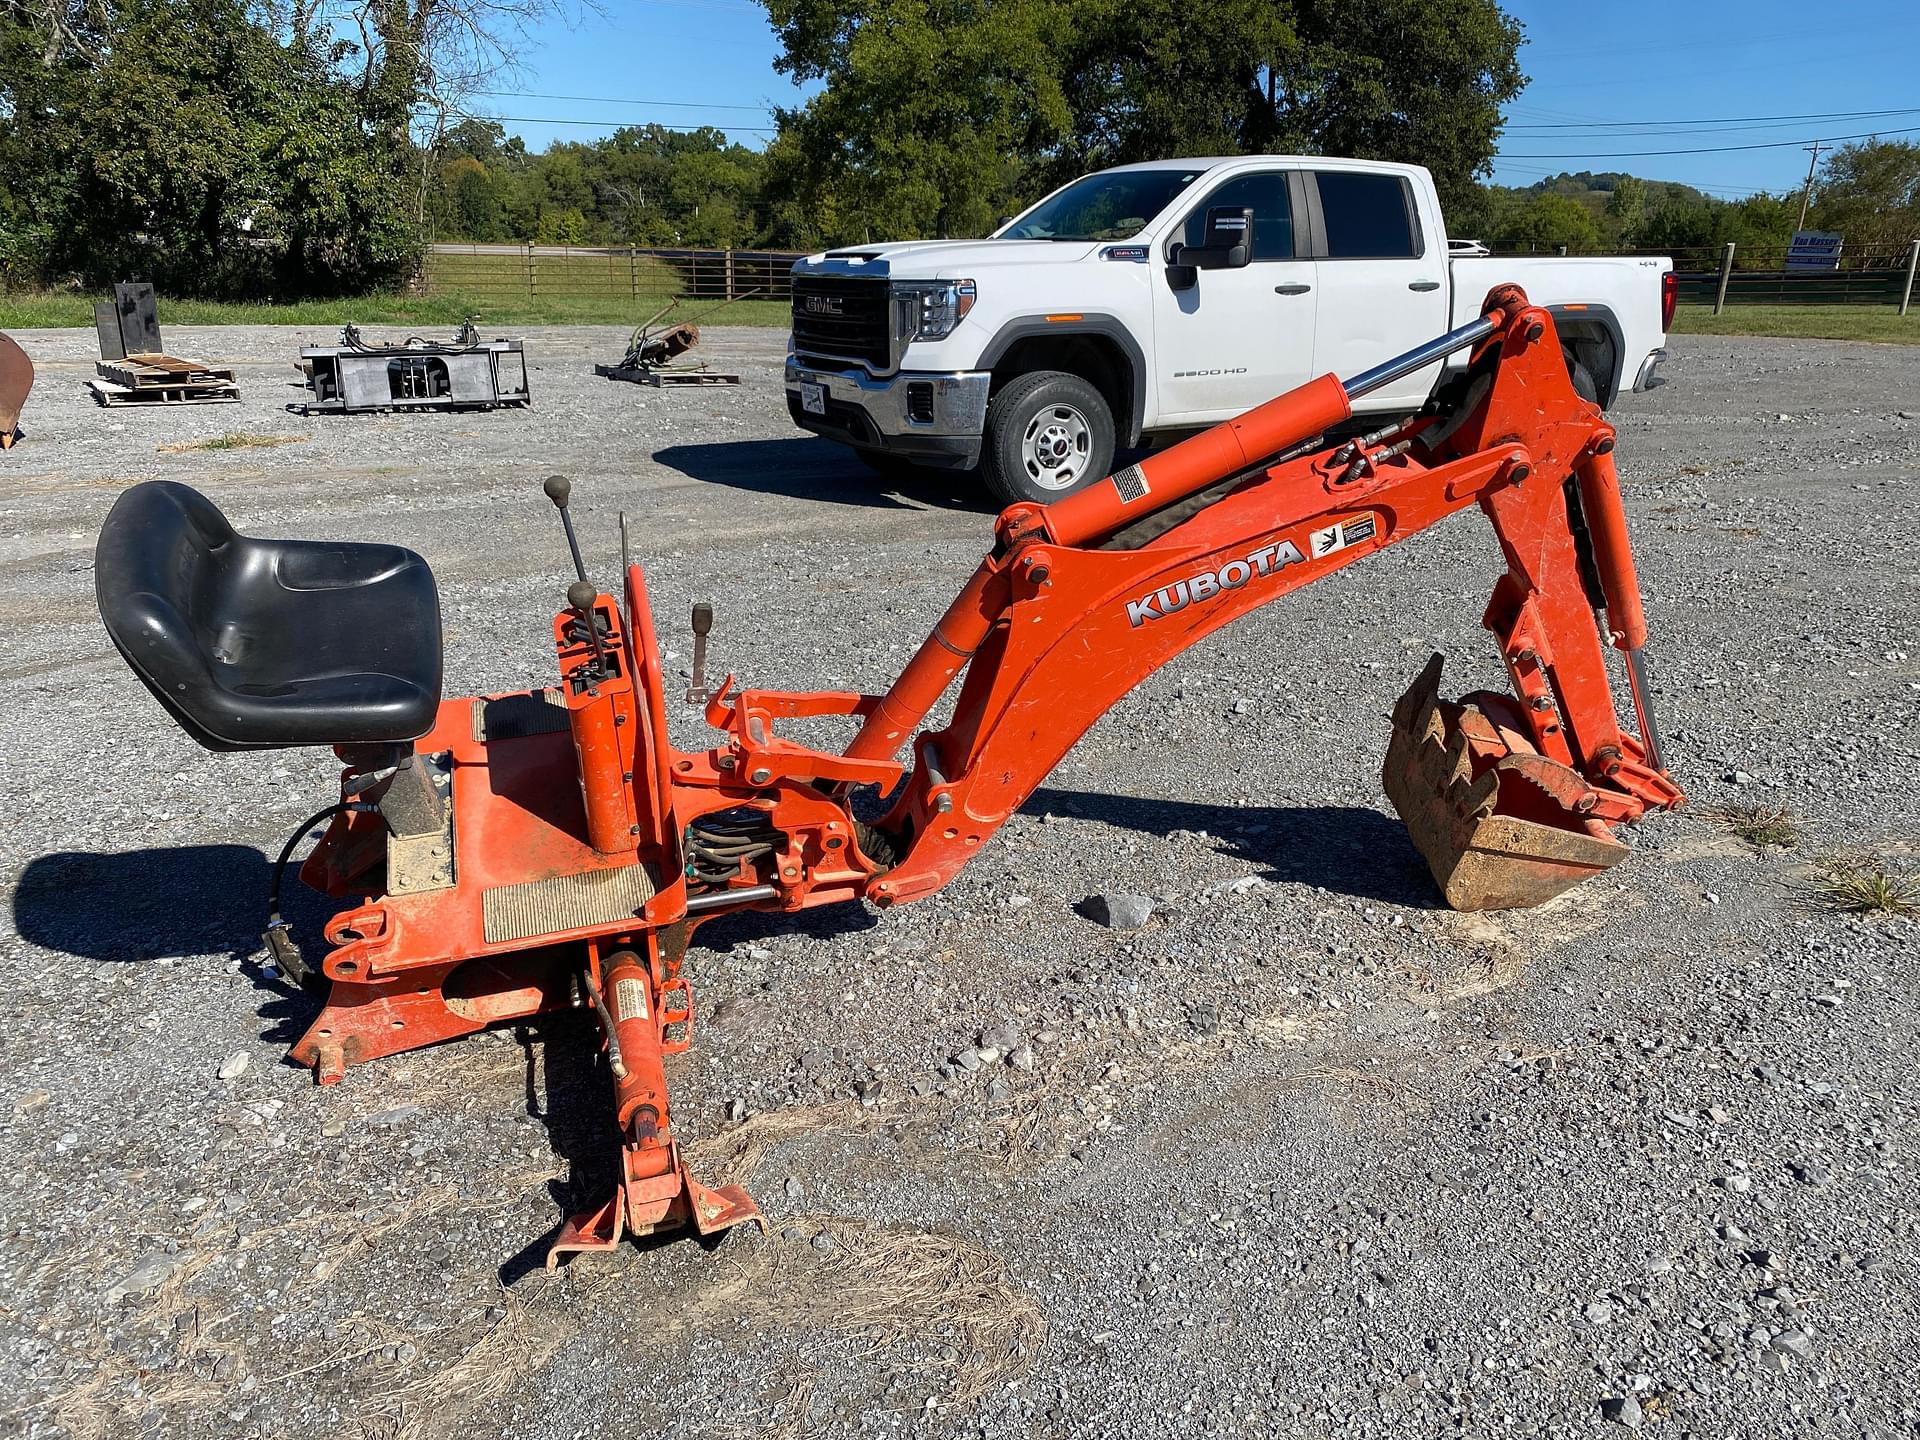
(1130, 484)
(1330, 538)
(630, 999)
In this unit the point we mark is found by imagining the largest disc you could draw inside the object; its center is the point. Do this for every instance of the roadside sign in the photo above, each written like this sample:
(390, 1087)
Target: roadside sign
(1814, 250)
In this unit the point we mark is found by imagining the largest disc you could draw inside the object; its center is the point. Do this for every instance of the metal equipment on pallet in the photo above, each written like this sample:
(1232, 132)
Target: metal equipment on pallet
(464, 373)
(16, 383)
(650, 353)
(134, 368)
(497, 857)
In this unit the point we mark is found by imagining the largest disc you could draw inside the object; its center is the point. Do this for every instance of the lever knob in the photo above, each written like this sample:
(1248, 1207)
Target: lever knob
(581, 594)
(558, 488)
(702, 619)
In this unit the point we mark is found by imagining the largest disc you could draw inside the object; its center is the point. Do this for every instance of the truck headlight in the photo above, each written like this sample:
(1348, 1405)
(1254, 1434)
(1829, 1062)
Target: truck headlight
(930, 311)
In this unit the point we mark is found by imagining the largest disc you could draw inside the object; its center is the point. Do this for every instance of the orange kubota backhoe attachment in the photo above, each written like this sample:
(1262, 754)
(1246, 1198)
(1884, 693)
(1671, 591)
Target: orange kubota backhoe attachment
(16, 382)
(503, 856)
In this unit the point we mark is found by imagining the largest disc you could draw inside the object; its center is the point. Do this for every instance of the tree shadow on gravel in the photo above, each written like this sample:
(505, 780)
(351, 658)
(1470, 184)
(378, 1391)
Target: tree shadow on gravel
(1347, 849)
(141, 905)
(138, 906)
(813, 469)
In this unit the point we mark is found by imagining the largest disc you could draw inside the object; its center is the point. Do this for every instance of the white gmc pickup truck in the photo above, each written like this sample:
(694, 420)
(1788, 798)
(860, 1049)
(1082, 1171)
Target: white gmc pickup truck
(1151, 299)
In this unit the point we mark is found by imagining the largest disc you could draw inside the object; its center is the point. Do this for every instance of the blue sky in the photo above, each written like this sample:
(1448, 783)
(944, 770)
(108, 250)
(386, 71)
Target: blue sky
(1601, 70)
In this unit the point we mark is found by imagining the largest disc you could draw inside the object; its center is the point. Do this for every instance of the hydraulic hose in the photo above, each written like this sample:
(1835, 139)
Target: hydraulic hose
(278, 937)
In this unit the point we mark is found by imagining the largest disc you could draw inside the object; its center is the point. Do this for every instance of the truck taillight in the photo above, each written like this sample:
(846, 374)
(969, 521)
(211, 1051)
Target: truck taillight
(1669, 297)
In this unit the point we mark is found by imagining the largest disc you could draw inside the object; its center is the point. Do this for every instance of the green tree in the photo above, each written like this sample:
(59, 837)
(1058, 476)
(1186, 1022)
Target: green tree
(238, 161)
(1869, 192)
(930, 106)
(939, 115)
(1411, 80)
(562, 227)
(1627, 207)
(1550, 221)
(472, 209)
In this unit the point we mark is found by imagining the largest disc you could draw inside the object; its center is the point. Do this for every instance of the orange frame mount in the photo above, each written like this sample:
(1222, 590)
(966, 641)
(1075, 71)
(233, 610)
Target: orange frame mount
(585, 849)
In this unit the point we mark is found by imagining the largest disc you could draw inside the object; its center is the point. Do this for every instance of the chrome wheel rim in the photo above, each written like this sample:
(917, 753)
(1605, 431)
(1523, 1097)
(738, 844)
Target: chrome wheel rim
(1056, 447)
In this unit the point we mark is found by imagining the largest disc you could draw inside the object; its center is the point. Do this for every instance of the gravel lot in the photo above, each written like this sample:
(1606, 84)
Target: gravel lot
(1305, 1156)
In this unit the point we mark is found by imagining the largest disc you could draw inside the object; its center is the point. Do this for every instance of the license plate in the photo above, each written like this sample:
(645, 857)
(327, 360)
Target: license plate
(813, 397)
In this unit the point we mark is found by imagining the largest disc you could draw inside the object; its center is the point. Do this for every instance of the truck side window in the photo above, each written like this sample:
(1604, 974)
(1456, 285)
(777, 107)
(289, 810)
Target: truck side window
(1266, 193)
(1367, 216)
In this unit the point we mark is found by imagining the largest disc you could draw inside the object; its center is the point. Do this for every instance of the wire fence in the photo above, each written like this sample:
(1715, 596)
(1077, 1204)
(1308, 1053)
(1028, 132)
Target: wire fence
(500, 273)
(532, 272)
(1758, 275)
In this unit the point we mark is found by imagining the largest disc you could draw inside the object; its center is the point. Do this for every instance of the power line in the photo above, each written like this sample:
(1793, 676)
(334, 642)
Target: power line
(1699, 150)
(622, 100)
(1720, 120)
(625, 124)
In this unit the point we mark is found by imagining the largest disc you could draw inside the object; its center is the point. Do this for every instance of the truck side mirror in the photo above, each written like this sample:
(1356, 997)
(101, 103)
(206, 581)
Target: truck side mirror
(1226, 244)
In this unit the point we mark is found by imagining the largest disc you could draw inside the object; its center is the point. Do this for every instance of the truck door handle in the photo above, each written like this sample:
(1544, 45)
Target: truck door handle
(1423, 285)
(1291, 289)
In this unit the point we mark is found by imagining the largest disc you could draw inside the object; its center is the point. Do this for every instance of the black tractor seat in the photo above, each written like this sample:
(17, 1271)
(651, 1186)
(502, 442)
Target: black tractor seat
(267, 644)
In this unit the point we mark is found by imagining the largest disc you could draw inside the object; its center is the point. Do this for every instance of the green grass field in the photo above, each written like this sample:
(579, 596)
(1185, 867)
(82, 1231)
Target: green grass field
(441, 311)
(496, 307)
(1883, 323)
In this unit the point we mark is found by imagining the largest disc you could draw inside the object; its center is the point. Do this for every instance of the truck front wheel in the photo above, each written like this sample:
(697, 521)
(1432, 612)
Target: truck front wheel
(1048, 434)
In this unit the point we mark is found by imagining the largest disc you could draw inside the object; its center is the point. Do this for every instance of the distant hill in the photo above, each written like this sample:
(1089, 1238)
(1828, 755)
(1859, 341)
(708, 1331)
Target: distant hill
(1593, 190)
(1582, 183)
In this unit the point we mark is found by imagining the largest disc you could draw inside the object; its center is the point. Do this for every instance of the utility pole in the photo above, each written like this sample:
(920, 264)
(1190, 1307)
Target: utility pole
(1806, 195)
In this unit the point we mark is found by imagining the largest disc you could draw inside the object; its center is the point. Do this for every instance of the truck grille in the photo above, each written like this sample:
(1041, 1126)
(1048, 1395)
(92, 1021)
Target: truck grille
(836, 317)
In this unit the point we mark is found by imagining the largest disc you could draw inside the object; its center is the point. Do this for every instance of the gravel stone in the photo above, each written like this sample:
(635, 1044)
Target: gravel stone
(1121, 911)
(1623, 1410)
(148, 1275)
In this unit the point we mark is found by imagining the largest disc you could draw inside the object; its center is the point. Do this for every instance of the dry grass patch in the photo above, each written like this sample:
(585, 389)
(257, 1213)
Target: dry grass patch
(234, 440)
(1360, 1083)
(1760, 824)
(912, 1291)
(1863, 885)
(732, 1156)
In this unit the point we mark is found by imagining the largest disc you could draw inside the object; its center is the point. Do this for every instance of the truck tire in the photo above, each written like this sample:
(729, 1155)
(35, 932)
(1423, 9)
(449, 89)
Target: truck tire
(1582, 378)
(1048, 434)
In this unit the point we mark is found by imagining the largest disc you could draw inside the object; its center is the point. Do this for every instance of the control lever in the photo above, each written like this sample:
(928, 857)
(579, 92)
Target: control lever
(697, 684)
(558, 488)
(580, 596)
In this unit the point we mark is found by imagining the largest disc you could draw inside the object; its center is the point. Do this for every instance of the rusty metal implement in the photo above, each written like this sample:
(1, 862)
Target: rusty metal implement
(1499, 824)
(16, 381)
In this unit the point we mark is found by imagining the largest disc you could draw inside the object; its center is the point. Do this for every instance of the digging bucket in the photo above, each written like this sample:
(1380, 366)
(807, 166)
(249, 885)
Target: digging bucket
(1498, 823)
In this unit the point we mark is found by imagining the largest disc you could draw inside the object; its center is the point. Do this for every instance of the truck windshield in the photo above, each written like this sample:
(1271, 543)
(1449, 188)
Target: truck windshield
(1115, 205)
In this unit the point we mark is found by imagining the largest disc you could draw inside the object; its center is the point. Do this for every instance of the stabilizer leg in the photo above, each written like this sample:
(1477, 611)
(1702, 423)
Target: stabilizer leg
(657, 1190)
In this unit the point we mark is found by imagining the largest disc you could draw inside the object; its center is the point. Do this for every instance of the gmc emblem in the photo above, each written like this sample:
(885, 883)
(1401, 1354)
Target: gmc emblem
(823, 304)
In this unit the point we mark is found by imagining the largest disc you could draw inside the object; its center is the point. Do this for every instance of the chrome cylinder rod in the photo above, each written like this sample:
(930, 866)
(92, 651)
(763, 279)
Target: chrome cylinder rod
(1638, 684)
(1418, 358)
(728, 899)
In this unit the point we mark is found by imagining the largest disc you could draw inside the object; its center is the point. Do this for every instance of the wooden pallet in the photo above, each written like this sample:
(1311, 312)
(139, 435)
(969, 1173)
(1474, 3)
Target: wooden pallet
(655, 376)
(155, 379)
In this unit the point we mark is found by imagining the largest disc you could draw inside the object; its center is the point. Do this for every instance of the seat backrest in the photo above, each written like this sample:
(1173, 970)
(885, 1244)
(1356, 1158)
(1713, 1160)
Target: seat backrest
(257, 644)
(152, 568)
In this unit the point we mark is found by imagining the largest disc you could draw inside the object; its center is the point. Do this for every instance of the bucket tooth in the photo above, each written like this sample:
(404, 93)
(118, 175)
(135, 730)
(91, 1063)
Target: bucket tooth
(1500, 828)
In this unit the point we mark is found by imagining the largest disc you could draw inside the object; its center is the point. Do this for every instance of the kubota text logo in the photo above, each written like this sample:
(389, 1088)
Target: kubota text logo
(1159, 604)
